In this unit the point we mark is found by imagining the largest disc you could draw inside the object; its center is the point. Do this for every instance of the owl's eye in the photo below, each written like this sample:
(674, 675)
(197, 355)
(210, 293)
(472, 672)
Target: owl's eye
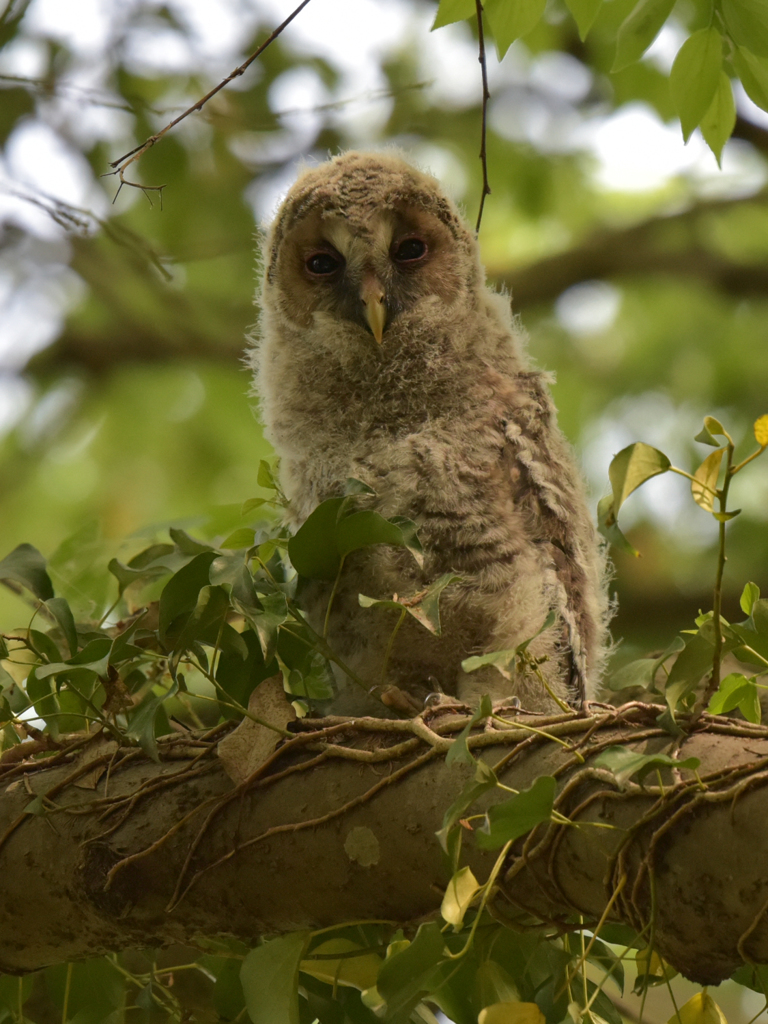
(322, 264)
(410, 250)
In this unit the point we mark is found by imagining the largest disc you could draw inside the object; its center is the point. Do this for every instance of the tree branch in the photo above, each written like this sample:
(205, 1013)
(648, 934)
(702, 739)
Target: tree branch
(123, 162)
(114, 856)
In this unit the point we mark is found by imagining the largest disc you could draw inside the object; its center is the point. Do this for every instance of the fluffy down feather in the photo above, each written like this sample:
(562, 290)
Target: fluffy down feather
(383, 355)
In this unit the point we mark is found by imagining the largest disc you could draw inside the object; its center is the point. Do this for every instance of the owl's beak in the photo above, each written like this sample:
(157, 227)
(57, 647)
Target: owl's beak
(372, 295)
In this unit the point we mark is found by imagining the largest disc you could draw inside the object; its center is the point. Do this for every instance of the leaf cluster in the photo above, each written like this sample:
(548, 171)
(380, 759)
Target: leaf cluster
(732, 45)
(195, 626)
(689, 670)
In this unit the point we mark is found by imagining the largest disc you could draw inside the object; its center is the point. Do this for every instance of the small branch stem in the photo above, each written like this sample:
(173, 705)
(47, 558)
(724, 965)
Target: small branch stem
(123, 162)
(486, 96)
(327, 622)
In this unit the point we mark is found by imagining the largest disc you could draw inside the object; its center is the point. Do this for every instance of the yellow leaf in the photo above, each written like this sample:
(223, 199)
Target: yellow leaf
(458, 896)
(511, 1013)
(700, 1009)
(704, 486)
(650, 965)
(761, 431)
(353, 971)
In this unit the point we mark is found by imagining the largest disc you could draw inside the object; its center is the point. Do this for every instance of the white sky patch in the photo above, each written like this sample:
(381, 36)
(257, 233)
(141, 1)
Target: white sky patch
(636, 152)
(83, 25)
(589, 307)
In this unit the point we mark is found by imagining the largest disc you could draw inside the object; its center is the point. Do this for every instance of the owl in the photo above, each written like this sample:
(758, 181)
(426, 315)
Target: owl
(382, 355)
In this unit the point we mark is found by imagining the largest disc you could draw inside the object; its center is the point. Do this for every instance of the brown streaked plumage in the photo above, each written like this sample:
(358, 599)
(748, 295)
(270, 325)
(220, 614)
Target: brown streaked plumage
(383, 355)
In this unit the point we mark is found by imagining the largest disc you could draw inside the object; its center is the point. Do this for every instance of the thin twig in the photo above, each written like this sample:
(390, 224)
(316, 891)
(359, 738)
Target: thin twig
(486, 97)
(123, 162)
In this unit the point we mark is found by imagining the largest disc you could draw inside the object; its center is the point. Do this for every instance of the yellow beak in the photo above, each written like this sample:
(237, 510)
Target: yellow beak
(372, 295)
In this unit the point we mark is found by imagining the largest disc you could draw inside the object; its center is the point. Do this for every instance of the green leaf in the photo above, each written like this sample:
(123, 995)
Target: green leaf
(509, 21)
(754, 976)
(450, 11)
(725, 517)
(495, 985)
(424, 607)
(736, 691)
(749, 596)
(747, 24)
(127, 574)
(504, 660)
(632, 467)
(404, 977)
(122, 649)
(609, 528)
(410, 538)
(358, 971)
(270, 977)
(94, 657)
(639, 29)
(760, 616)
(427, 611)
(251, 505)
(584, 13)
(753, 72)
(207, 622)
(364, 529)
(274, 612)
(692, 664)
(61, 611)
(239, 677)
(228, 998)
(695, 76)
(355, 486)
(459, 751)
(266, 477)
(188, 545)
(242, 538)
(25, 565)
(44, 646)
(312, 550)
(517, 816)
(230, 571)
(483, 781)
(610, 964)
(710, 428)
(180, 593)
(720, 119)
(704, 486)
(149, 721)
(642, 672)
(625, 763)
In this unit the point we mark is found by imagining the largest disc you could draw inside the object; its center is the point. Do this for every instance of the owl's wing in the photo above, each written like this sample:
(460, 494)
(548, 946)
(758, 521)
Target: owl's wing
(548, 486)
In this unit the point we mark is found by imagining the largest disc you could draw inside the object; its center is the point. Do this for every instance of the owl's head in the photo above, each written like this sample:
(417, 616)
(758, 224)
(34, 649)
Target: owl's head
(365, 245)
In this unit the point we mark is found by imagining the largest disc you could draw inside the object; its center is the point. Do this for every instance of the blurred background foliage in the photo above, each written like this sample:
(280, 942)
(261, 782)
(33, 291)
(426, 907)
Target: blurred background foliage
(639, 269)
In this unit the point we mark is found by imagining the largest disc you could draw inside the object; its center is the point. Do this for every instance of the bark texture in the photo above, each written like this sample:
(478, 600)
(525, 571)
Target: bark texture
(339, 824)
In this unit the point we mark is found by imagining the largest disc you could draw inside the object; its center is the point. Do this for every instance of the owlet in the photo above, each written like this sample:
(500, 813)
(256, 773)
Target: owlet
(384, 356)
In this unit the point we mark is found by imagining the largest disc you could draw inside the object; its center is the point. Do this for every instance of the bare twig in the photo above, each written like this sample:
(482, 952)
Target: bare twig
(132, 155)
(486, 97)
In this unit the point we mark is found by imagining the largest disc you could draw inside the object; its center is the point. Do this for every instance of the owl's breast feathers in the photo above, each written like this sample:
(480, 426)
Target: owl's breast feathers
(431, 402)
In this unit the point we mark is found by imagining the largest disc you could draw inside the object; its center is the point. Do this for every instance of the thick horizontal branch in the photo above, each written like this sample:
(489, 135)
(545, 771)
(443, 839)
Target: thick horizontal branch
(119, 851)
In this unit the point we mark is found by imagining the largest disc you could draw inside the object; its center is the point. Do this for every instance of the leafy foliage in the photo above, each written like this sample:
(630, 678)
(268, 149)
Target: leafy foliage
(695, 673)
